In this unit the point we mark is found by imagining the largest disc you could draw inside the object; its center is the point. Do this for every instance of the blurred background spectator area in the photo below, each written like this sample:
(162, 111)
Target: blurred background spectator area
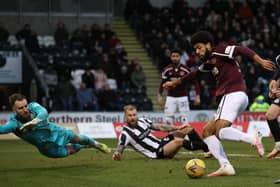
(72, 44)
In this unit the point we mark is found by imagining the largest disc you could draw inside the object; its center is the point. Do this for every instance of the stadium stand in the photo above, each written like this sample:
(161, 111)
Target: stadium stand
(161, 29)
(69, 58)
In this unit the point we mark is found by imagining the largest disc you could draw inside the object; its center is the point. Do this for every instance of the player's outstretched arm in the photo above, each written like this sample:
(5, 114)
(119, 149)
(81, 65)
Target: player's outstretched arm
(8, 127)
(164, 127)
(266, 64)
(117, 154)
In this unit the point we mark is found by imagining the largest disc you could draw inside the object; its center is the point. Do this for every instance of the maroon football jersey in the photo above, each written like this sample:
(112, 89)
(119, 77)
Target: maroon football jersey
(173, 72)
(229, 77)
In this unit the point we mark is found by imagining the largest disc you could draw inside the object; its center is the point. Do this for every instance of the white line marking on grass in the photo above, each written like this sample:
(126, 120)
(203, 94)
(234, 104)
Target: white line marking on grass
(132, 150)
(192, 153)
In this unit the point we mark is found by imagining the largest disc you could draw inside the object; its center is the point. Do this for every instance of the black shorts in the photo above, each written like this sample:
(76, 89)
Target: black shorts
(164, 141)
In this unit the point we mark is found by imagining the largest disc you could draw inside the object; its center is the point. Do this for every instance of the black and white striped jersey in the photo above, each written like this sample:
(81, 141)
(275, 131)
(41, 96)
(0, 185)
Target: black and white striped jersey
(140, 138)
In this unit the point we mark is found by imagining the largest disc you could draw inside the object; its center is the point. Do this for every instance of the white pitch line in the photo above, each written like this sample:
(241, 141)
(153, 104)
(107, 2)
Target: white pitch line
(192, 153)
(132, 150)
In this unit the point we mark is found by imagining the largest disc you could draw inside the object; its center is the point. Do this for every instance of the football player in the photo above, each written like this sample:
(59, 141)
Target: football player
(177, 98)
(230, 91)
(30, 122)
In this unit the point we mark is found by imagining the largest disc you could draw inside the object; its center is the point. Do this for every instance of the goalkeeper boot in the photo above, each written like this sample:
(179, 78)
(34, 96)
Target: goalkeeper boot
(103, 148)
(224, 170)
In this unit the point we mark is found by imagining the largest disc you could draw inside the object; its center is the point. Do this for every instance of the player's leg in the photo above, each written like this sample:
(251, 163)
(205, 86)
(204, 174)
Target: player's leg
(217, 150)
(194, 142)
(68, 136)
(172, 147)
(90, 142)
(169, 110)
(198, 143)
(73, 148)
(271, 117)
(230, 106)
(53, 150)
(184, 108)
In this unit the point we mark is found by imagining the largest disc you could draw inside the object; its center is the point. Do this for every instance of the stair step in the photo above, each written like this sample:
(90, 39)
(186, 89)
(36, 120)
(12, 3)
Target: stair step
(151, 71)
(152, 84)
(142, 59)
(134, 48)
(126, 34)
(133, 42)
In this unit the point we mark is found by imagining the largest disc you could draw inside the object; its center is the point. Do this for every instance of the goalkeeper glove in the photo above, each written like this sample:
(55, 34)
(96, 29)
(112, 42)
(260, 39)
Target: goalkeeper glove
(29, 125)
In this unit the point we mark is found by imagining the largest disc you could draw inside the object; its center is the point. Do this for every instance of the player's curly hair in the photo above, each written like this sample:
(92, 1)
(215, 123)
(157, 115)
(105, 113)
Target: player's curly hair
(202, 37)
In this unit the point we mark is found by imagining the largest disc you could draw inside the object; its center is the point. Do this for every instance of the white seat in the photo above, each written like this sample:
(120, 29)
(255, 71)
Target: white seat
(40, 40)
(113, 84)
(77, 77)
(12, 40)
(48, 40)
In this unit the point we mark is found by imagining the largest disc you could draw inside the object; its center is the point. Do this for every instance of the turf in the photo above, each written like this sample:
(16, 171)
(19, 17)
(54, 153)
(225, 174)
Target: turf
(22, 165)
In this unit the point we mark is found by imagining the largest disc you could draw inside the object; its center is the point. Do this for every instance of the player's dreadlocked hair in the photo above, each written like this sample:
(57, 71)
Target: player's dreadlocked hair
(202, 37)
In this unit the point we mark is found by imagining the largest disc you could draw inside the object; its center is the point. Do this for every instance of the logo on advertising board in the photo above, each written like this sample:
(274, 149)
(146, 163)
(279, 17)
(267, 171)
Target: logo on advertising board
(118, 126)
(201, 117)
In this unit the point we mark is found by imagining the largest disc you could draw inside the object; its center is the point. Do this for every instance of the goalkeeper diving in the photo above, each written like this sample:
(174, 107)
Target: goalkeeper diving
(30, 122)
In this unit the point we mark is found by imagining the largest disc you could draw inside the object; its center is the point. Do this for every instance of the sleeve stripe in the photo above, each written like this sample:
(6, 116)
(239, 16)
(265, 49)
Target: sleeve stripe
(228, 52)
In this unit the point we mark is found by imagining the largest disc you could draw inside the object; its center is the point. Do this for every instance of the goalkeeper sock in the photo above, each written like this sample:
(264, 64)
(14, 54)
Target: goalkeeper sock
(85, 140)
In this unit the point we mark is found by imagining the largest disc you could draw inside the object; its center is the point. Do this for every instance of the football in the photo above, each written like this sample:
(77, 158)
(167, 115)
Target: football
(195, 168)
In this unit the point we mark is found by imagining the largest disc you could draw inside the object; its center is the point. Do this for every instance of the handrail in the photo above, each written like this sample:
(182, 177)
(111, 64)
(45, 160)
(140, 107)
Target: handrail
(36, 70)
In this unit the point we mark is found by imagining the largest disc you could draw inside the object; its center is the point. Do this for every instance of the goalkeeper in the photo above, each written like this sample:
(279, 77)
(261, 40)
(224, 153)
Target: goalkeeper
(30, 123)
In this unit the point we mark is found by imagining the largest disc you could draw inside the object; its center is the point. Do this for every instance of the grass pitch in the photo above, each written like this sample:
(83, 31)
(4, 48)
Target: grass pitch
(22, 165)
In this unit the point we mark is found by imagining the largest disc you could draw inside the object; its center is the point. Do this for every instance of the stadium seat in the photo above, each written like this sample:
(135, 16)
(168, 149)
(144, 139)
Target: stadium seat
(13, 40)
(40, 40)
(77, 78)
(48, 40)
(113, 84)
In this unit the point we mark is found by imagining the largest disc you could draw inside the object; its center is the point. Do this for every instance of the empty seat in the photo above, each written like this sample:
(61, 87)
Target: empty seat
(77, 78)
(113, 84)
(13, 40)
